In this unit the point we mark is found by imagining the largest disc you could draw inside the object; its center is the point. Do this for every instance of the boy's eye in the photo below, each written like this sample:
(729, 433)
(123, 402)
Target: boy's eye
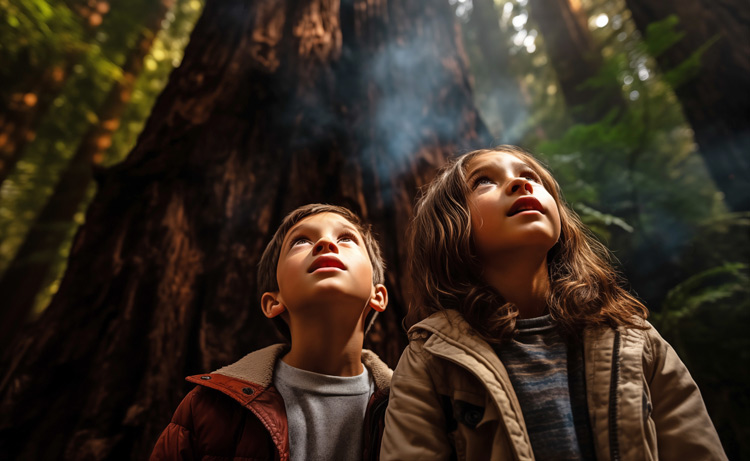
(300, 240)
(347, 237)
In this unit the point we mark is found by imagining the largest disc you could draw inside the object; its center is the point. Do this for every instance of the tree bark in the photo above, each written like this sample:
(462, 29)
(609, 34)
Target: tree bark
(716, 101)
(29, 268)
(276, 104)
(576, 59)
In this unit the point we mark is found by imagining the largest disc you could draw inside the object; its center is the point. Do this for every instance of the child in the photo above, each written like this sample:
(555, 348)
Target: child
(322, 396)
(523, 344)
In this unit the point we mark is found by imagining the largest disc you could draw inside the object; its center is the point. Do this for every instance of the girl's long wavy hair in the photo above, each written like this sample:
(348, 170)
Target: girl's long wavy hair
(585, 289)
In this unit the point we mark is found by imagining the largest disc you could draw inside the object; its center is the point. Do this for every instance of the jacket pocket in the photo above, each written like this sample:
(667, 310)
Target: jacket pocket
(648, 407)
(468, 414)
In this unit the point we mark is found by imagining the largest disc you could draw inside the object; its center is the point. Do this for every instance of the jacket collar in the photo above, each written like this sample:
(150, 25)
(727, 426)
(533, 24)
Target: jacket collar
(447, 323)
(257, 367)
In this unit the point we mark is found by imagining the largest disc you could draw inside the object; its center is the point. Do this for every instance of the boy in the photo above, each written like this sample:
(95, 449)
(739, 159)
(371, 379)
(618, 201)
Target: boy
(322, 396)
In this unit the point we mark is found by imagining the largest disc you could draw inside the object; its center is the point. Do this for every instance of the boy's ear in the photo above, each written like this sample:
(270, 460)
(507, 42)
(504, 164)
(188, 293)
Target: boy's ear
(379, 299)
(271, 304)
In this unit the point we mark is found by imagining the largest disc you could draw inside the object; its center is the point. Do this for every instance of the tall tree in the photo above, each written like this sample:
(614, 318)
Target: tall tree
(275, 104)
(716, 99)
(576, 58)
(24, 277)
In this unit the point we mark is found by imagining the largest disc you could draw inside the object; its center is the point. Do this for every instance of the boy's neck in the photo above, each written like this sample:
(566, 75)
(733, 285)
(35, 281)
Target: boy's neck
(523, 280)
(319, 348)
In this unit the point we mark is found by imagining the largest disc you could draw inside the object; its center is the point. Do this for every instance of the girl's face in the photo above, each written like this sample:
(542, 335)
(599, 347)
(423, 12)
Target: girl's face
(510, 208)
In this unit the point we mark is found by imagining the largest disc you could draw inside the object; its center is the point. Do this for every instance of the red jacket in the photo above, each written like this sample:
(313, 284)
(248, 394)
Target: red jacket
(213, 420)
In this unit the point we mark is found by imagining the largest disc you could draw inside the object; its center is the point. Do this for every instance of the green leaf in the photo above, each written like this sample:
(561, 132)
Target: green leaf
(662, 35)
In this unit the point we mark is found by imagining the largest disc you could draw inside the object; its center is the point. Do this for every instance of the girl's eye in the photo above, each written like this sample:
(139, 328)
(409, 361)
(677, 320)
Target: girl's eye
(531, 176)
(480, 181)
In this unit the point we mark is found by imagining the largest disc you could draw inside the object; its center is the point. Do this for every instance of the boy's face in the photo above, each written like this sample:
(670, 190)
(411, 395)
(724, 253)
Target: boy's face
(323, 260)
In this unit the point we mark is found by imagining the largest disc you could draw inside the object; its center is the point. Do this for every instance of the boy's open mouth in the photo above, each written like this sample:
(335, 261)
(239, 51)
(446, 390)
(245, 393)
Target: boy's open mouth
(525, 204)
(326, 261)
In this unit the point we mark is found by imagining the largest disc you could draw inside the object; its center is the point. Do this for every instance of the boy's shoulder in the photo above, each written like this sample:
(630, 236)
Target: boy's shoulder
(256, 367)
(209, 413)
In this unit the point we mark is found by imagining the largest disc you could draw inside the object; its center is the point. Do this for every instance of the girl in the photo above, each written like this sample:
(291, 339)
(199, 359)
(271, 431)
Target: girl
(523, 345)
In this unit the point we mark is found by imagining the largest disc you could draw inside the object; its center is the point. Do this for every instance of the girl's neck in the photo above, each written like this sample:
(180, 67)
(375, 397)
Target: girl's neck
(521, 280)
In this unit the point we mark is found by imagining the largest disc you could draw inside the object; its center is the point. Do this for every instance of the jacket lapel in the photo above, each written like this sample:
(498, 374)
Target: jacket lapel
(453, 341)
(615, 408)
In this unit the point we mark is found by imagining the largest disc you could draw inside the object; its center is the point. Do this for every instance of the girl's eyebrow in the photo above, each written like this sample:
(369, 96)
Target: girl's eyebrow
(477, 172)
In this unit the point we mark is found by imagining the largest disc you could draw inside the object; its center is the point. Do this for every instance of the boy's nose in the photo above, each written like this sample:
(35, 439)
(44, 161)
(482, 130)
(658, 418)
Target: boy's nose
(325, 246)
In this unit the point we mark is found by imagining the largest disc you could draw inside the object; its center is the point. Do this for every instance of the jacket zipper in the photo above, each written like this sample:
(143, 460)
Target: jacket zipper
(614, 446)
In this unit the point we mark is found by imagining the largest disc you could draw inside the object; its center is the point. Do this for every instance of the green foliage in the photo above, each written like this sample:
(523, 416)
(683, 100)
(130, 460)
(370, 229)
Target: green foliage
(662, 35)
(710, 287)
(639, 166)
(37, 31)
(600, 223)
(705, 318)
(26, 190)
(688, 68)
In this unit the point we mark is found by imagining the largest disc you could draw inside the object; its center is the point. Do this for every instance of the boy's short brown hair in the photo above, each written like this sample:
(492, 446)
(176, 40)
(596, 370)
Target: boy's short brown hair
(270, 259)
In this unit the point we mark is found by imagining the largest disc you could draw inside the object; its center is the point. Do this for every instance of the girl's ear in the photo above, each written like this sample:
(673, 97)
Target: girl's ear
(379, 299)
(271, 304)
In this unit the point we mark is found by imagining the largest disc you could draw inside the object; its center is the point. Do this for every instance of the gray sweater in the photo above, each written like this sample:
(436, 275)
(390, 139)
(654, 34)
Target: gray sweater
(325, 413)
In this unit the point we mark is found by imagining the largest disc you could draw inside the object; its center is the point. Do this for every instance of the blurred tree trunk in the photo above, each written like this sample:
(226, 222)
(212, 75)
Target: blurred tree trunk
(276, 104)
(28, 270)
(505, 94)
(29, 98)
(576, 59)
(716, 101)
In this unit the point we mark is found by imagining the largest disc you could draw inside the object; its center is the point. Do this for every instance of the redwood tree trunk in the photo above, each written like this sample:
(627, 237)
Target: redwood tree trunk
(276, 104)
(576, 58)
(716, 101)
(28, 271)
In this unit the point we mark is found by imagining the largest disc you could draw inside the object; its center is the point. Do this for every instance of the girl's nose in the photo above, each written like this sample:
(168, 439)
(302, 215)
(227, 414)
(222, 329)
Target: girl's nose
(325, 245)
(521, 184)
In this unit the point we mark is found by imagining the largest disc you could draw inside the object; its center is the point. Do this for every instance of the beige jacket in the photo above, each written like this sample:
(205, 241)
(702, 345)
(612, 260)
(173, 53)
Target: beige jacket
(451, 397)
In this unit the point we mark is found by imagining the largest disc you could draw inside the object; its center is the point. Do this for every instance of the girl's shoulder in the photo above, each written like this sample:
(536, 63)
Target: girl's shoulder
(447, 324)
(642, 339)
(446, 335)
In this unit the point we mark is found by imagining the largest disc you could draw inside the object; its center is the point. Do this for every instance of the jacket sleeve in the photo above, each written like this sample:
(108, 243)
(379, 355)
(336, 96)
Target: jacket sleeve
(415, 426)
(683, 428)
(176, 442)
